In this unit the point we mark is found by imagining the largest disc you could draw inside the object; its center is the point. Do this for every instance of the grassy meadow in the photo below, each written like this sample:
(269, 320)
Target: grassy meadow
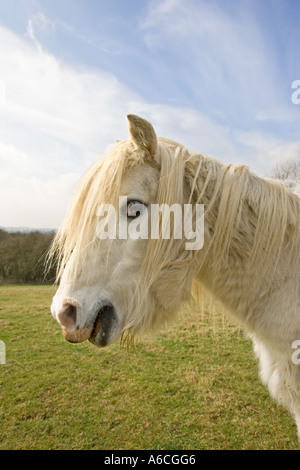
(192, 386)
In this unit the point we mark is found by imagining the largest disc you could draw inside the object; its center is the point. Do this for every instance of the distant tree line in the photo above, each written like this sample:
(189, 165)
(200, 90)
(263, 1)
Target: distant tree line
(23, 257)
(288, 169)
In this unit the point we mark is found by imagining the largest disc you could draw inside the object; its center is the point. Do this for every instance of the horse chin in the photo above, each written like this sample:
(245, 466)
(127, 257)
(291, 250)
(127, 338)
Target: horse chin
(105, 327)
(76, 336)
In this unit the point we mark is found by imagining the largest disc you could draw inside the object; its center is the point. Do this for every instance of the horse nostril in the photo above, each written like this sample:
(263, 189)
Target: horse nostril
(67, 316)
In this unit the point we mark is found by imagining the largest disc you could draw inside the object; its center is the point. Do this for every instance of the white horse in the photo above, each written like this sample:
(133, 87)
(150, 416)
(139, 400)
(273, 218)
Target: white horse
(249, 261)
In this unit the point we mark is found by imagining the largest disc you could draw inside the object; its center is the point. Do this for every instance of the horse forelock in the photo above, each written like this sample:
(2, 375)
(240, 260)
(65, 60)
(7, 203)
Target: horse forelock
(99, 184)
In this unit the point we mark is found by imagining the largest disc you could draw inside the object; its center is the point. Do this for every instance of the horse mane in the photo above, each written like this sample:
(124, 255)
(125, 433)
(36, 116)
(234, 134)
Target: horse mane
(248, 220)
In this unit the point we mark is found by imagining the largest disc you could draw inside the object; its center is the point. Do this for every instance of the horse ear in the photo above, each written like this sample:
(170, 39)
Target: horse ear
(142, 134)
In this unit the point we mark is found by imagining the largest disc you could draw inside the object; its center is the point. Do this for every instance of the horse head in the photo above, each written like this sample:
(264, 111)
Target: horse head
(110, 282)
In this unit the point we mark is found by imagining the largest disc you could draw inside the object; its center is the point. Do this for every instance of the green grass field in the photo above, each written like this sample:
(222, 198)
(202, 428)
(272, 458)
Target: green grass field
(193, 386)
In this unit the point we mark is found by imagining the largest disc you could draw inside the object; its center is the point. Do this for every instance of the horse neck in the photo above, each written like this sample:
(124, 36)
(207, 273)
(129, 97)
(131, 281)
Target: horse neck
(234, 265)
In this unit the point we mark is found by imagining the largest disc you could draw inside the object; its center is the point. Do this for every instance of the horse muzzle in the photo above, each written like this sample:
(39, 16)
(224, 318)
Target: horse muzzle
(105, 326)
(102, 329)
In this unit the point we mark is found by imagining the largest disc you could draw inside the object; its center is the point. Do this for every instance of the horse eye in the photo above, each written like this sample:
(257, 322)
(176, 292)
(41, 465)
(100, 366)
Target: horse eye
(135, 209)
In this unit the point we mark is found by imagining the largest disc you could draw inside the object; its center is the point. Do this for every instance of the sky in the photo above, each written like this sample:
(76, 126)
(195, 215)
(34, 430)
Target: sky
(213, 75)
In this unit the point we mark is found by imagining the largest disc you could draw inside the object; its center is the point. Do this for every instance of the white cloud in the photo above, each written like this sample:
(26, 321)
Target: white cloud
(278, 114)
(267, 150)
(39, 23)
(57, 100)
(55, 119)
(226, 59)
(223, 56)
(26, 199)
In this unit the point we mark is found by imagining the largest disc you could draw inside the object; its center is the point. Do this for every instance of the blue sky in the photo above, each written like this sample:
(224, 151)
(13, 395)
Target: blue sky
(214, 75)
